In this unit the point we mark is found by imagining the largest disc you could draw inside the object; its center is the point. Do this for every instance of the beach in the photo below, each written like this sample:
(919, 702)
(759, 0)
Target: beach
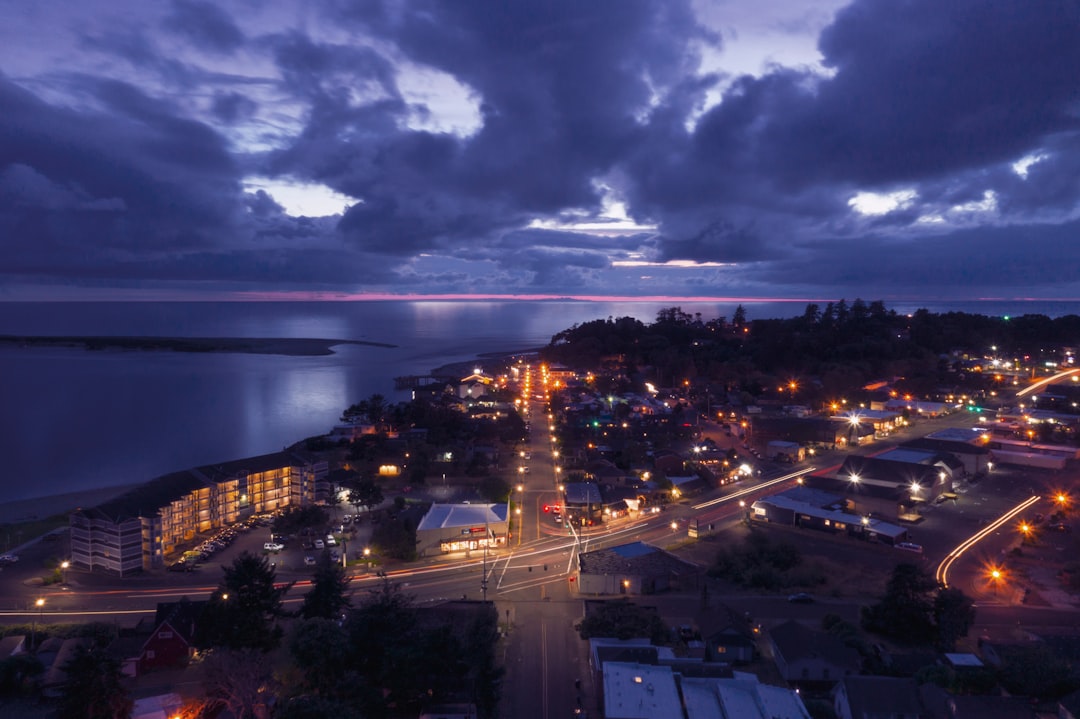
(28, 510)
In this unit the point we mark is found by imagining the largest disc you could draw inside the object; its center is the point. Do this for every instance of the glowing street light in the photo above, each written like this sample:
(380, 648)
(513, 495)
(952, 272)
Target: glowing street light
(40, 604)
(63, 571)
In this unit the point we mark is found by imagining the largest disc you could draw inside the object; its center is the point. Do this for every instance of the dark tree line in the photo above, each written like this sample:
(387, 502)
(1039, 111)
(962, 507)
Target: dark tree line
(841, 344)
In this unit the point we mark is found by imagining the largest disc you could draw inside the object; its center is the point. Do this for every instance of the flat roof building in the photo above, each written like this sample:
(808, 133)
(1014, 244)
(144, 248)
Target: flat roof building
(640, 691)
(448, 528)
(635, 568)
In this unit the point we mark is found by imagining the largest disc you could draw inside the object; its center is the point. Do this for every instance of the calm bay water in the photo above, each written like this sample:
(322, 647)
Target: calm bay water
(72, 420)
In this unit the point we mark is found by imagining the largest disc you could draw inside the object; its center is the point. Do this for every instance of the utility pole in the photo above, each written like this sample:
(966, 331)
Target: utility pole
(487, 541)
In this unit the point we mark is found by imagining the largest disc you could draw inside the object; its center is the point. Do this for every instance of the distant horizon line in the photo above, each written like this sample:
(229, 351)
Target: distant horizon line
(315, 296)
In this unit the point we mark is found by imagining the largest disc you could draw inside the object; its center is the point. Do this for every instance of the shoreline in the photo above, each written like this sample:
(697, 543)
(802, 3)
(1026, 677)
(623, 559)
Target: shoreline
(296, 347)
(29, 510)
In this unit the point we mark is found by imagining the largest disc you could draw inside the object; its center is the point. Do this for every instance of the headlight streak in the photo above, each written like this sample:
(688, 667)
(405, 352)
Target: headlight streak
(943, 569)
(755, 488)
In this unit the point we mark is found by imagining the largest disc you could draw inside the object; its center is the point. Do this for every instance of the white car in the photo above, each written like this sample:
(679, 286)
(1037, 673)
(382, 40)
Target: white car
(8, 558)
(330, 541)
(273, 546)
(910, 547)
(319, 544)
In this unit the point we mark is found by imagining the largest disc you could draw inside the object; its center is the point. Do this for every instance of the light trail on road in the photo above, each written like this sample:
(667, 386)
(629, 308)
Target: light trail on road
(943, 569)
(755, 488)
(1043, 382)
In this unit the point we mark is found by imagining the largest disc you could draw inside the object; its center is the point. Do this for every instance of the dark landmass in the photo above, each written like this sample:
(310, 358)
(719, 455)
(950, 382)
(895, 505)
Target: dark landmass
(248, 345)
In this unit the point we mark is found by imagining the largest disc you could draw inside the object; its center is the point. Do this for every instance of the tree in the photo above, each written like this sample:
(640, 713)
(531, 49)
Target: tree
(93, 689)
(623, 619)
(378, 629)
(395, 538)
(243, 612)
(373, 409)
(17, 671)
(905, 613)
(293, 519)
(738, 320)
(241, 680)
(364, 492)
(954, 615)
(1036, 671)
(327, 598)
(321, 650)
(316, 707)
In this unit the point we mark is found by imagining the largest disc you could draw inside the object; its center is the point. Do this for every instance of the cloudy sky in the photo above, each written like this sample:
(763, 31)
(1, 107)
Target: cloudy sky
(888, 149)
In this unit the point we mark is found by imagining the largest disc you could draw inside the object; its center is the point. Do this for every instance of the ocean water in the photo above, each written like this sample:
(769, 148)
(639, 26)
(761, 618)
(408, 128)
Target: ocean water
(71, 419)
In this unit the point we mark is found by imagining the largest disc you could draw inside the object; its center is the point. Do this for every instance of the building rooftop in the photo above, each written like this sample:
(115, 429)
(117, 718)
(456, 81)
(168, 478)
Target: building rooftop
(582, 493)
(636, 558)
(146, 499)
(637, 691)
(958, 434)
(443, 516)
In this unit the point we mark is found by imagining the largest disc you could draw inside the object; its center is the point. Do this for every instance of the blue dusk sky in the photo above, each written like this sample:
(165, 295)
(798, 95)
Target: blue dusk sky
(884, 149)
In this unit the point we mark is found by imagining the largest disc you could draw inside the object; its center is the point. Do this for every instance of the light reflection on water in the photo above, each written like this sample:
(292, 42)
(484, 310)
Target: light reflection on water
(72, 419)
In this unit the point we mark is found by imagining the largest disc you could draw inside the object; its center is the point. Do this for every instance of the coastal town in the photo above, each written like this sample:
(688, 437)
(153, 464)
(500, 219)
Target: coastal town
(849, 513)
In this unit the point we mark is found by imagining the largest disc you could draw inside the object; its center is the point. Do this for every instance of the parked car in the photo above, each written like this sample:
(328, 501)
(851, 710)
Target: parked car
(8, 558)
(330, 541)
(319, 544)
(910, 547)
(273, 546)
(309, 561)
(800, 598)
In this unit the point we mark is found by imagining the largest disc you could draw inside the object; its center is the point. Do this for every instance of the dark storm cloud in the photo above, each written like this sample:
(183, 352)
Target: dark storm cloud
(132, 166)
(141, 50)
(1041, 256)
(97, 185)
(232, 107)
(560, 86)
(205, 25)
(941, 97)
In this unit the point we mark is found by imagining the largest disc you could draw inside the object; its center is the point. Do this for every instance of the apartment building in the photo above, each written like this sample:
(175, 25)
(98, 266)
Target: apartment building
(137, 530)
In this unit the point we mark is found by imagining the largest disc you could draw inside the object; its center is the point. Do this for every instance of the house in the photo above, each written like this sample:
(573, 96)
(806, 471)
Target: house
(635, 568)
(1069, 706)
(55, 676)
(449, 711)
(805, 655)
(870, 697)
(742, 696)
(12, 646)
(939, 704)
(171, 643)
(727, 635)
(159, 706)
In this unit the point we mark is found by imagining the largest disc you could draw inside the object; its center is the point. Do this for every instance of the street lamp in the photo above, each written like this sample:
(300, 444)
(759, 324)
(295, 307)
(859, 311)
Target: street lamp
(63, 571)
(855, 479)
(40, 604)
(517, 511)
